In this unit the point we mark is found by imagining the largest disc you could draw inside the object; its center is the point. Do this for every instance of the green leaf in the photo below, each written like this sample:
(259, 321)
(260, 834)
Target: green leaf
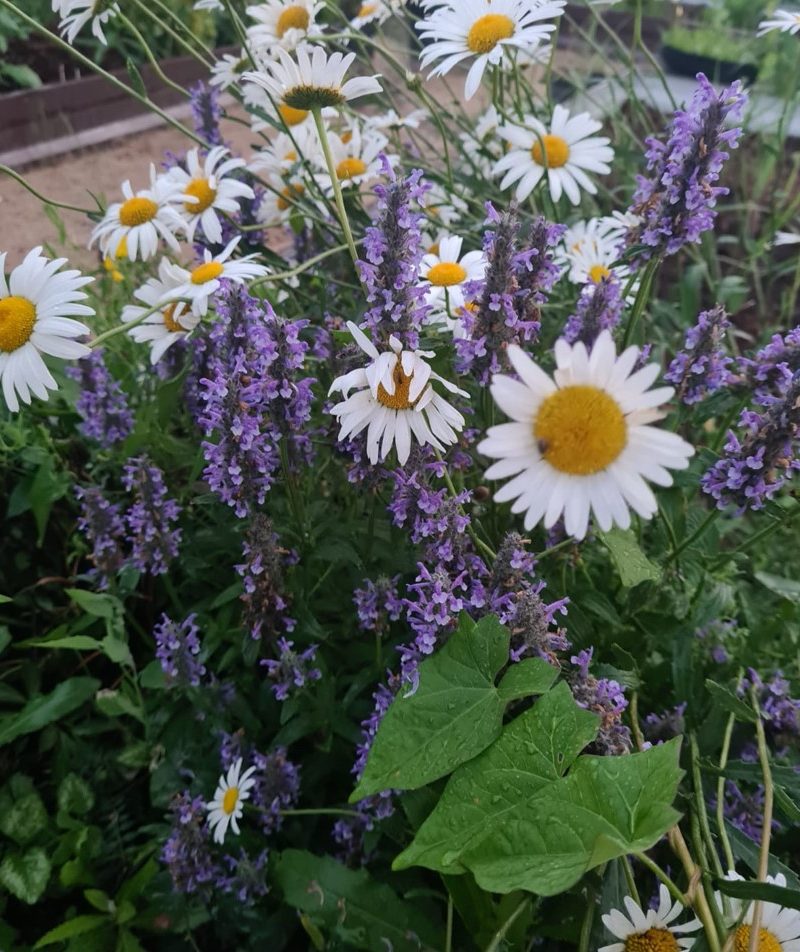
(534, 750)
(102, 606)
(788, 807)
(43, 710)
(25, 818)
(766, 892)
(530, 676)
(25, 875)
(80, 925)
(454, 714)
(728, 701)
(75, 796)
(97, 899)
(136, 78)
(631, 563)
(4, 599)
(77, 642)
(117, 703)
(367, 914)
(785, 587)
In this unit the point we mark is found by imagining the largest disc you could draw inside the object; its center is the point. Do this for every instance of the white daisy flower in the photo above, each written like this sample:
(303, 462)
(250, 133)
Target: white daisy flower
(446, 272)
(197, 284)
(280, 199)
(143, 218)
(589, 249)
(651, 931)
(208, 5)
(784, 20)
(786, 238)
(581, 440)
(75, 14)
(395, 401)
(229, 69)
(564, 153)
(394, 122)
(373, 11)
(227, 807)
(283, 23)
(172, 321)
(208, 189)
(444, 206)
(356, 158)
(282, 155)
(313, 80)
(483, 145)
(779, 928)
(488, 30)
(37, 307)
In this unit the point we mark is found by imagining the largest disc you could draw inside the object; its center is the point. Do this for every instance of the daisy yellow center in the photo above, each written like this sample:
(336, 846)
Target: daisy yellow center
(289, 195)
(292, 117)
(597, 272)
(446, 274)
(486, 32)
(200, 189)
(170, 322)
(204, 273)
(654, 940)
(766, 940)
(230, 800)
(551, 152)
(17, 320)
(399, 400)
(350, 167)
(307, 97)
(292, 18)
(137, 211)
(367, 9)
(580, 430)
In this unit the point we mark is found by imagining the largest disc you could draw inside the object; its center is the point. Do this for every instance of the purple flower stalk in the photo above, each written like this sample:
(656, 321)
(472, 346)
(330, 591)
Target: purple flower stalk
(702, 366)
(102, 403)
(265, 604)
(206, 112)
(757, 465)
(292, 669)
(102, 524)
(605, 697)
(393, 252)
(780, 711)
(187, 851)
(378, 603)
(178, 650)
(244, 877)
(676, 203)
(531, 620)
(599, 308)
(660, 727)
(153, 538)
(772, 369)
(277, 787)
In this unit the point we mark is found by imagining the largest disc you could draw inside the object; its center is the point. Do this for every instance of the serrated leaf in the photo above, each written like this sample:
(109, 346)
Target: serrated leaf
(25, 875)
(728, 701)
(25, 818)
(454, 714)
(788, 807)
(527, 677)
(785, 587)
(631, 563)
(43, 710)
(534, 750)
(80, 925)
(349, 902)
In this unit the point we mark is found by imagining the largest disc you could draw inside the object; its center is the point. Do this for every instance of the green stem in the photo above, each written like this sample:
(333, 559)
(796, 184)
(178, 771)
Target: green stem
(337, 188)
(305, 266)
(698, 532)
(448, 936)
(633, 892)
(47, 201)
(700, 805)
(497, 938)
(483, 546)
(586, 925)
(240, 32)
(658, 872)
(642, 297)
(176, 36)
(54, 38)
(151, 57)
(121, 328)
(723, 761)
(755, 539)
(766, 830)
(327, 811)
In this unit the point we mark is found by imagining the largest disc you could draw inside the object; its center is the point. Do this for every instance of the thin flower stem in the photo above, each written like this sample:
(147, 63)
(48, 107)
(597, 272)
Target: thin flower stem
(766, 830)
(240, 32)
(633, 892)
(326, 811)
(700, 805)
(208, 55)
(47, 201)
(696, 895)
(54, 38)
(698, 533)
(285, 275)
(642, 297)
(483, 546)
(502, 932)
(586, 925)
(658, 872)
(723, 761)
(636, 729)
(337, 188)
(121, 328)
(755, 539)
(448, 936)
(151, 57)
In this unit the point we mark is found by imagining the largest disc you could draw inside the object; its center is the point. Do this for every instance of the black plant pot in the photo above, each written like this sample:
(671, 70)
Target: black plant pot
(690, 64)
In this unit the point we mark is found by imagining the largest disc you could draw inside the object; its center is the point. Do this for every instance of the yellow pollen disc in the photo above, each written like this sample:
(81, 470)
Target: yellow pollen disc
(580, 430)
(486, 32)
(367, 9)
(556, 152)
(434, 249)
(654, 940)
(446, 274)
(597, 272)
(350, 168)
(204, 273)
(289, 195)
(137, 211)
(200, 189)
(402, 384)
(766, 940)
(230, 800)
(292, 117)
(313, 97)
(291, 156)
(17, 320)
(169, 320)
(346, 137)
(292, 18)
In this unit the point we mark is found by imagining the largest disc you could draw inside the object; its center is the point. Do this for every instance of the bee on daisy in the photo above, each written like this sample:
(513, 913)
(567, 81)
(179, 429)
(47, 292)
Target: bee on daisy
(75, 14)
(283, 23)
(395, 401)
(209, 190)
(651, 931)
(38, 307)
(169, 320)
(581, 442)
(446, 271)
(227, 806)
(562, 152)
(485, 31)
(196, 285)
(143, 218)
